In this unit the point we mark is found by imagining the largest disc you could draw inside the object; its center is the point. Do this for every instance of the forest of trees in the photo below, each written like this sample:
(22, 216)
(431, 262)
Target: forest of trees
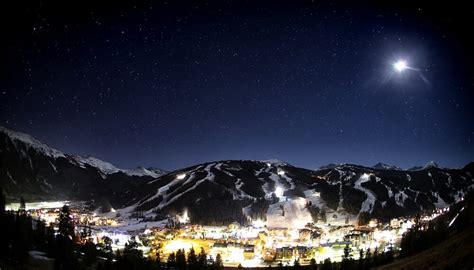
(20, 233)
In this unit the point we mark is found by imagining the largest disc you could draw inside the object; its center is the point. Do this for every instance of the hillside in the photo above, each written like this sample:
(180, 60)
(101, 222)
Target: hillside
(32, 169)
(222, 192)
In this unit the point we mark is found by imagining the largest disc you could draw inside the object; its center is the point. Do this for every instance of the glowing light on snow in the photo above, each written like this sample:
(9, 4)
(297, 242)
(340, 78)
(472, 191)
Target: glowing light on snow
(181, 176)
(258, 223)
(279, 191)
(184, 218)
(176, 245)
(400, 65)
(37, 205)
(281, 172)
(112, 210)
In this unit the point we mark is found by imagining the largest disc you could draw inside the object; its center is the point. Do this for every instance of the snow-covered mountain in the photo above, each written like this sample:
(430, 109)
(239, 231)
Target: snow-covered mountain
(383, 166)
(222, 192)
(239, 190)
(35, 170)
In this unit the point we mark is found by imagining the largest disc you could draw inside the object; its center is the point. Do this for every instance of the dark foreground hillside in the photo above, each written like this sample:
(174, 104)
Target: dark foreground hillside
(457, 252)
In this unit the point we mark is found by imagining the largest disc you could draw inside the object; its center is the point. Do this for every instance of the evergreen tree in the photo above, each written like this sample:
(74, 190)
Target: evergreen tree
(218, 264)
(106, 248)
(39, 236)
(312, 264)
(66, 227)
(192, 260)
(22, 233)
(347, 252)
(327, 265)
(171, 262)
(296, 264)
(181, 259)
(375, 259)
(347, 258)
(158, 260)
(89, 250)
(361, 259)
(202, 259)
(280, 265)
(368, 259)
(3, 202)
(323, 216)
(22, 204)
(132, 257)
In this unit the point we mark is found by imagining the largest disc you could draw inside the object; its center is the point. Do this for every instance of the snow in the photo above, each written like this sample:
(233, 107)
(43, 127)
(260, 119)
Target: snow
(169, 198)
(32, 142)
(296, 215)
(430, 164)
(135, 225)
(440, 203)
(39, 255)
(107, 168)
(383, 166)
(400, 198)
(52, 166)
(140, 171)
(210, 177)
(102, 166)
(368, 204)
(275, 162)
(315, 198)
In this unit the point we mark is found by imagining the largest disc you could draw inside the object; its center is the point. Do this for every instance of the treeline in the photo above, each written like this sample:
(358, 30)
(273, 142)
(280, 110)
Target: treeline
(368, 260)
(316, 213)
(20, 233)
(423, 236)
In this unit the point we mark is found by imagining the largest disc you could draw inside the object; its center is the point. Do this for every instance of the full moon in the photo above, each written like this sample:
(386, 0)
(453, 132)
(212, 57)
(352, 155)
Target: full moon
(400, 65)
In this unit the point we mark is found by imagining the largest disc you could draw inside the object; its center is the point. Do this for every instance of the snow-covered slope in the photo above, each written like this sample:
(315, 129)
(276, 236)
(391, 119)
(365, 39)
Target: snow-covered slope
(221, 192)
(279, 193)
(107, 168)
(30, 142)
(383, 166)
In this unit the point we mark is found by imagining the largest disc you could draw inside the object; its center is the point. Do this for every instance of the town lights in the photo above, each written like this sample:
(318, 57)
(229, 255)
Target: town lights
(176, 245)
(181, 176)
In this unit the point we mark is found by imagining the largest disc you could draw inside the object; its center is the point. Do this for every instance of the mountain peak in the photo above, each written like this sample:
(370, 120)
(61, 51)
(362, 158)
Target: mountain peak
(275, 161)
(331, 166)
(384, 166)
(431, 164)
(32, 142)
(104, 167)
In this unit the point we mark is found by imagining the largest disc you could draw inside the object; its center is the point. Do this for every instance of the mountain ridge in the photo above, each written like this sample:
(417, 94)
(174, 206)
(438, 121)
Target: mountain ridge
(225, 191)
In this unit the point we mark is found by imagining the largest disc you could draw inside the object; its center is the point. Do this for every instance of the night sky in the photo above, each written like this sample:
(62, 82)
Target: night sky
(169, 85)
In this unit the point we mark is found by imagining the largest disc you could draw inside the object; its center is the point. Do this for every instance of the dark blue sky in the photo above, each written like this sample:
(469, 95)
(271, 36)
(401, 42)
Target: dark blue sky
(171, 86)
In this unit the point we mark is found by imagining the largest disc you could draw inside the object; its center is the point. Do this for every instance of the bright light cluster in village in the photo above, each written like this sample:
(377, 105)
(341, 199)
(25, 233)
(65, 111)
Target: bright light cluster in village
(251, 246)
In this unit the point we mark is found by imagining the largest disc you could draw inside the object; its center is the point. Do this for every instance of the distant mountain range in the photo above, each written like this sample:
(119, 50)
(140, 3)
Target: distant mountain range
(225, 191)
